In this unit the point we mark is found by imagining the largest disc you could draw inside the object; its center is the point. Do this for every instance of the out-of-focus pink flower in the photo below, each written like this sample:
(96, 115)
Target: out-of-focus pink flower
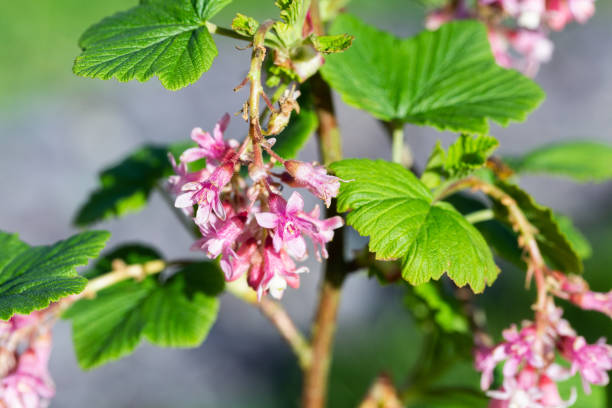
(591, 360)
(209, 147)
(287, 223)
(30, 385)
(436, 18)
(535, 48)
(582, 10)
(206, 194)
(315, 179)
(600, 302)
(500, 47)
(576, 290)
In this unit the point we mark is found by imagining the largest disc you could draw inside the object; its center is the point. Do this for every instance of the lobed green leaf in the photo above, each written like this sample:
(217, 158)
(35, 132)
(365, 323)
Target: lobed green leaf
(177, 312)
(447, 78)
(161, 38)
(397, 211)
(33, 277)
(126, 186)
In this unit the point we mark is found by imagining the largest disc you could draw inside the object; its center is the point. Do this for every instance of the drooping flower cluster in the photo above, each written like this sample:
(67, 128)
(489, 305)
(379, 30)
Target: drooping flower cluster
(25, 346)
(530, 371)
(251, 226)
(518, 29)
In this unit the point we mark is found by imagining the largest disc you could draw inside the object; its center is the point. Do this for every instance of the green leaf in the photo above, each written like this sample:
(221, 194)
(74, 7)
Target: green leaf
(177, 312)
(168, 39)
(578, 241)
(445, 314)
(293, 15)
(466, 154)
(245, 25)
(397, 211)
(329, 44)
(580, 160)
(126, 186)
(33, 277)
(553, 244)
(447, 78)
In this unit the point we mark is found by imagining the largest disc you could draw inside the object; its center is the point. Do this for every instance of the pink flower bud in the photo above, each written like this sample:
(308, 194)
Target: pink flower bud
(315, 179)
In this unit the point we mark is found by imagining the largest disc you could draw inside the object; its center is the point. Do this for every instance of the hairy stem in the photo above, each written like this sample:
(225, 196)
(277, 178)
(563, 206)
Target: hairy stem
(254, 77)
(121, 272)
(480, 216)
(225, 32)
(314, 390)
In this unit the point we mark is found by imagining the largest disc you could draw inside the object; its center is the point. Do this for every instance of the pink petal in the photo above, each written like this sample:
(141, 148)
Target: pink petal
(192, 154)
(221, 126)
(184, 200)
(295, 203)
(267, 219)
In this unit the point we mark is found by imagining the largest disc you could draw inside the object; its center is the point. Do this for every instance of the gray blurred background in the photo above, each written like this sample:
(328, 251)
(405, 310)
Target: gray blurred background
(57, 131)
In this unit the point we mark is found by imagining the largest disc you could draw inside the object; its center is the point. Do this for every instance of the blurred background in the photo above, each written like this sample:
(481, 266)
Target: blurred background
(57, 131)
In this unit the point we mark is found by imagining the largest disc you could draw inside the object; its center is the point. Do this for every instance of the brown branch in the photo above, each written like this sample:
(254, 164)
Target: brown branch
(314, 390)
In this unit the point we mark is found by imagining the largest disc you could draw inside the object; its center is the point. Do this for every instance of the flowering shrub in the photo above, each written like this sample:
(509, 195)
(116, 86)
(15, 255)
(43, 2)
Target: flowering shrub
(429, 229)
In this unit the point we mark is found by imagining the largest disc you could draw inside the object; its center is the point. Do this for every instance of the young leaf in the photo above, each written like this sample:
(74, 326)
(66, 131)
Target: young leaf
(329, 44)
(580, 160)
(126, 186)
(33, 277)
(168, 39)
(245, 25)
(178, 312)
(447, 78)
(397, 211)
(466, 154)
(293, 15)
(554, 245)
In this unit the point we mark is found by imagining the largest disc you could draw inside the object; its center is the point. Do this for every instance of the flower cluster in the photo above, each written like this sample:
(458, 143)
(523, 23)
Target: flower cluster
(25, 345)
(518, 29)
(252, 227)
(530, 370)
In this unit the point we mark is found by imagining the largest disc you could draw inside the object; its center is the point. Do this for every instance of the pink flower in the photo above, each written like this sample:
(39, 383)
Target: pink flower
(278, 272)
(220, 237)
(582, 10)
(558, 14)
(530, 13)
(315, 179)
(206, 194)
(287, 223)
(534, 46)
(500, 47)
(30, 385)
(324, 232)
(601, 302)
(182, 176)
(209, 147)
(591, 360)
(247, 257)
